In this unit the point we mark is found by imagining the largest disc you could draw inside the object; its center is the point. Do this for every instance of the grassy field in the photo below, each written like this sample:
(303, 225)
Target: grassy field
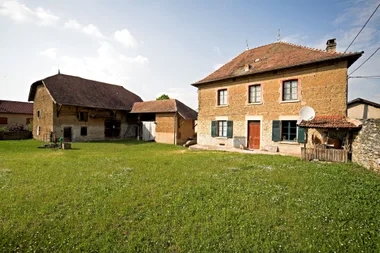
(134, 196)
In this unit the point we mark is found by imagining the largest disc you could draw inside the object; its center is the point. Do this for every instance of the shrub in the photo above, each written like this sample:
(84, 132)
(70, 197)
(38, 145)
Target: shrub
(4, 129)
(16, 128)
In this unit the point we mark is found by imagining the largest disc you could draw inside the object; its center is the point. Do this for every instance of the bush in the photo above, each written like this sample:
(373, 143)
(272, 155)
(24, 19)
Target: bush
(16, 128)
(4, 129)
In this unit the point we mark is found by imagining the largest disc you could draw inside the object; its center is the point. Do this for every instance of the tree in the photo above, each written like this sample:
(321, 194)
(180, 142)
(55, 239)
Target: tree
(163, 97)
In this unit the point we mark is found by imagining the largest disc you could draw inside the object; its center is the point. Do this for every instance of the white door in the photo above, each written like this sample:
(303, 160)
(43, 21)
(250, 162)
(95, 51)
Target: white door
(149, 130)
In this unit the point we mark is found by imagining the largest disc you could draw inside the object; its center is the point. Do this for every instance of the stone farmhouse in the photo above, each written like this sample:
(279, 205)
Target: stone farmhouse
(254, 100)
(363, 109)
(79, 109)
(15, 112)
(166, 121)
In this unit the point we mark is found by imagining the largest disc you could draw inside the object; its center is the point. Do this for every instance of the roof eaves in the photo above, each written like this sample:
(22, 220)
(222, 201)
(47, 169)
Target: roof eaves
(196, 84)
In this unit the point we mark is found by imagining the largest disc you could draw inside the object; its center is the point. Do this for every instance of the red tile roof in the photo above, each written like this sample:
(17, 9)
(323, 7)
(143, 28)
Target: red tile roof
(161, 106)
(16, 107)
(330, 122)
(275, 56)
(73, 90)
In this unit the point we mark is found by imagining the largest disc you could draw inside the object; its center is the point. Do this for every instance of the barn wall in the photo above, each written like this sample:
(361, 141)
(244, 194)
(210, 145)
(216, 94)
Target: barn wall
(165, 127)
(185, 130)
(68, 117)
(43, 103)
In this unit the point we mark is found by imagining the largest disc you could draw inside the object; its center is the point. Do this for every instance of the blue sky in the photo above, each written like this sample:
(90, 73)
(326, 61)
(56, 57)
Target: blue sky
(155, 47)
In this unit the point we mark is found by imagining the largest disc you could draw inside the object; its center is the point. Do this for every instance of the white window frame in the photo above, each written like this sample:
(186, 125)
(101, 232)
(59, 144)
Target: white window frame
(222, 97)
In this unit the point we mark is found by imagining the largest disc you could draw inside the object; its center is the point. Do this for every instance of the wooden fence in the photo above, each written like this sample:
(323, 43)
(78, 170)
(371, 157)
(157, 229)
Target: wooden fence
(328, 155)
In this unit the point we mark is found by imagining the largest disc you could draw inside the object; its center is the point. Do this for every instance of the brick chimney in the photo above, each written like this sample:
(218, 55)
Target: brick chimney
(247, 67)
(331, 45)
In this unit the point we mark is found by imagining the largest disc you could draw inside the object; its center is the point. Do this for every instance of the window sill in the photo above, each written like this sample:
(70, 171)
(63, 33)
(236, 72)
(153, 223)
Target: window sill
(289, 142)
(260, 103)
(219, 106)
(221, 138)
(290, 101)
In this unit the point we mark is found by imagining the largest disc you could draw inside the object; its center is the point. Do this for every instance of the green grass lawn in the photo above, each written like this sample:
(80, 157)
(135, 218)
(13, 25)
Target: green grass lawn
(134, 196)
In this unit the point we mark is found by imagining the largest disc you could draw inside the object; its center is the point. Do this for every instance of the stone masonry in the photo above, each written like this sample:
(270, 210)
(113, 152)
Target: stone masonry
(366, 145)
(321, 86)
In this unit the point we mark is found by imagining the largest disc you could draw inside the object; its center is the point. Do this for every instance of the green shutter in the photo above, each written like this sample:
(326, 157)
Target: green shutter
(276, 130)
(213, 128)
(229, 129)
(301, 134)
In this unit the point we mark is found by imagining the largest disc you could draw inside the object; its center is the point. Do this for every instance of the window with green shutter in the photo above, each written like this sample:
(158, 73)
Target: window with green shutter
(229, 129)
(213, 128)
(276, 130)
(301, 135)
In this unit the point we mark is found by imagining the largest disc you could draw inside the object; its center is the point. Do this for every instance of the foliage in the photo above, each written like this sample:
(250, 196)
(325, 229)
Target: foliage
(163, 97)
(30, 127)
(16, 127)
(4, 129)
(113, 197)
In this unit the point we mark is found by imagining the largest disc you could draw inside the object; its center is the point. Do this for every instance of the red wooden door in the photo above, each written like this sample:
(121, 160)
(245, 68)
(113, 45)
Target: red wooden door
(254, 135)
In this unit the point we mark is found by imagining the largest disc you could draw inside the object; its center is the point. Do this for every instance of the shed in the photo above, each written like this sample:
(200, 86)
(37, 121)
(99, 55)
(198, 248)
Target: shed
(166, 121)
(331, 138)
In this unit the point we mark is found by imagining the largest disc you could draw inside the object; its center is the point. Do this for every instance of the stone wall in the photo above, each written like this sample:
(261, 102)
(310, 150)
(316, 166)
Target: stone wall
(44, 104)
(323, 87)
(68, 117)
(366, 145)
(15, 135)
(185, 130)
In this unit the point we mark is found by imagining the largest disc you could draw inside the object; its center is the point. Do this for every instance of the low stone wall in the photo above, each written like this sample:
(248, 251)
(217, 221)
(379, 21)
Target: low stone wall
(366, 145)
(15, 135)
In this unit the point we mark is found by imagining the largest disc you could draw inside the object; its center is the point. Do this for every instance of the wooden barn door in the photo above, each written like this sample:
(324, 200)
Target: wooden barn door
(254, 134)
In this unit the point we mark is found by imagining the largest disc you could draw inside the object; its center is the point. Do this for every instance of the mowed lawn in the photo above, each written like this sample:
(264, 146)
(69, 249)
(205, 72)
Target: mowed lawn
(145, 197)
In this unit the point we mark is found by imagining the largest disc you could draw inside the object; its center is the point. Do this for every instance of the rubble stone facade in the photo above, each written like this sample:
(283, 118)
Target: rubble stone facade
(366, 145)
(320, 86)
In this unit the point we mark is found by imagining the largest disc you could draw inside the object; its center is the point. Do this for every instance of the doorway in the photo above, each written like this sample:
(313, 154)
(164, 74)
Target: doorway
(254, 134)
(67, 134)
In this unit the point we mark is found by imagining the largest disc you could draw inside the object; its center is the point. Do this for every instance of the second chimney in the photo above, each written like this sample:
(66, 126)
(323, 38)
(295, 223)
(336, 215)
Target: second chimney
(331, 45)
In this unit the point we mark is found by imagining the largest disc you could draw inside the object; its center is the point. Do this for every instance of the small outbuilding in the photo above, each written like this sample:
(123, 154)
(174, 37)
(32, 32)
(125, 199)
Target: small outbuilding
(165, 121)
(331, 138)
(15, 112)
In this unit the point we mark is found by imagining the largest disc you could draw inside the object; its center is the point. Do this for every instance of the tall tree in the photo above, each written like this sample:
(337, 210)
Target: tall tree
(163, 97)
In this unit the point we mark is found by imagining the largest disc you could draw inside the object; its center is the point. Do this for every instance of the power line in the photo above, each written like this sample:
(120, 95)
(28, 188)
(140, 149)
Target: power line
(362, 28)
(365, 60)
(369, 77)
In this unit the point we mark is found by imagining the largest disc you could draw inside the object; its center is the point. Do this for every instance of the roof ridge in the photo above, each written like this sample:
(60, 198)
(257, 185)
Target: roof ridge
(14, 101)
(92, 80)
(314, 49)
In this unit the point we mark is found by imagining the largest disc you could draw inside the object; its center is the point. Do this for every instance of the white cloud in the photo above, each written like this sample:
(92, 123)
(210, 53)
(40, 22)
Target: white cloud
(51, 53)
(125, 38)
(187, 96)
(108, 65)
(217, 50)
(89, 29)
(295, 39)
(72, 24)
(20, 13)
(92, 30)
(138, 59)
(218, 66)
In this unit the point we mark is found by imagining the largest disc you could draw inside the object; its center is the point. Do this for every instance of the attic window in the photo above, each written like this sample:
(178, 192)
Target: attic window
(38, 114)
(83, 116)
(247, 67)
